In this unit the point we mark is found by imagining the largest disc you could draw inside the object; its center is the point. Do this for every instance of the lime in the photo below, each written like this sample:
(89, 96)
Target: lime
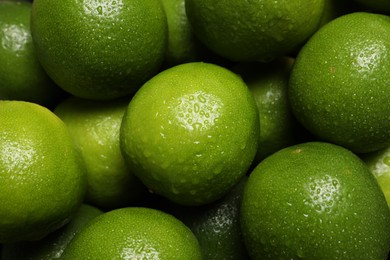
(183, 46)
(54, 244)
(99, 49)
(253, 30)
(339, 87)
(94, 126)
(216, 225)
(268, 84)
(379, 164)
(314, 200)
(21, 75)
(191, 132)
(134, 233)
(42, 179)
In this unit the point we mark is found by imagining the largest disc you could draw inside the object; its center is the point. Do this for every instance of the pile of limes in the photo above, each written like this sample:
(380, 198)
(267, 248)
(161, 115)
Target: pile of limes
(194, 129)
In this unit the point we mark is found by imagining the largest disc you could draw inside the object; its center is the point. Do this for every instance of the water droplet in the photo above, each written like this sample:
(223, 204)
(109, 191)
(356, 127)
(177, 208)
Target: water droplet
(99, 9)
(196, 108)
(202, 99)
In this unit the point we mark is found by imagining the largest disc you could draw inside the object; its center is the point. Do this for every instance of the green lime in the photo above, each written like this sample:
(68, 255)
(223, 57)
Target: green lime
(268, 84)
(54, 244)
(183, 46)
(21, 75)
(191, 132)
(94, 126)
(134, 233)
(339, 88)
(379, 164)
(216, 225)
(42, 178)
(314, 200)
(254, 30)
(99, 49)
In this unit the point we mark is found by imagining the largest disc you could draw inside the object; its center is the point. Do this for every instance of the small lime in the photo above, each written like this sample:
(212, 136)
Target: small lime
(339, 87)
(216, 225)
(21, 75)
(254, 30)
(99, 49)
(191, 132)
(94, 126)
(134, 233)
(316, 201)
(379, 164)
(54, 244)
(268, 84)
(42, 178)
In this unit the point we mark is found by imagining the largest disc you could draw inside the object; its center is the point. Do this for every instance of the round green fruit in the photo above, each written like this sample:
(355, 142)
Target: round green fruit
(314, 200)
(191, 132)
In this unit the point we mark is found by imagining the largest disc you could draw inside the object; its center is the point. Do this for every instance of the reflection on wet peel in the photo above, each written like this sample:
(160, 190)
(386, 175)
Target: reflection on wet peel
(198, 111)
(14, 38)
(324, 193)
(103, 8)
(367, 59)
(139, 249)
(15, 157)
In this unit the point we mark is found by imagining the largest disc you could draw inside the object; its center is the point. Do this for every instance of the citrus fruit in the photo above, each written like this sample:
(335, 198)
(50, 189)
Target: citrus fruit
(54, 244)
(182, 45)
(379, 164)
(99, 49)
(191, 132)
(94, 126)
(268, 84)
(338, 87)
(134, 233)
(216, 225)
(21, 75)
(42, 178)
(314, 200)
(253, 30)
